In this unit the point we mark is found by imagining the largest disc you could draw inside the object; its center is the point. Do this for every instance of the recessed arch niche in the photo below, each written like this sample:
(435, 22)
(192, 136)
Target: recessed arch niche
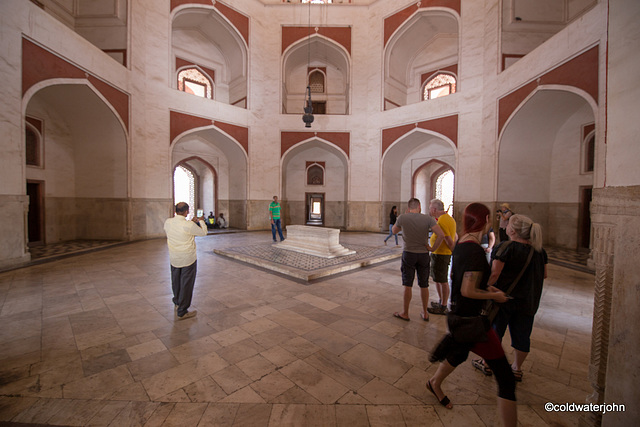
(539, 161)
(221, 165)
(425, 42)
(85, 174)
(202, 35)
(295, 187)
(304, 57)
(417, 155)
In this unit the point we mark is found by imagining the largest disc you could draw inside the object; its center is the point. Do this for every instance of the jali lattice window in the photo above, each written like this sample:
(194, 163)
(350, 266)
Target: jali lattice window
(316, 81)
(440, 85)
(315, 175)
(191, 80)
(184, 184)
(444, 190)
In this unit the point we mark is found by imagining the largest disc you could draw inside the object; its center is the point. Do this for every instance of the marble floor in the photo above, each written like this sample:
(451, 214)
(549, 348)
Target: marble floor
(92, 340)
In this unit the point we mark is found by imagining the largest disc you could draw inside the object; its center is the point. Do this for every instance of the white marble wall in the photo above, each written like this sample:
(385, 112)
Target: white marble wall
(149, 81)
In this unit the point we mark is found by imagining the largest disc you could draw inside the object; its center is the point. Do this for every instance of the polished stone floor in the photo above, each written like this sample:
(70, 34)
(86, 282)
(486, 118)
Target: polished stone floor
(92, 340)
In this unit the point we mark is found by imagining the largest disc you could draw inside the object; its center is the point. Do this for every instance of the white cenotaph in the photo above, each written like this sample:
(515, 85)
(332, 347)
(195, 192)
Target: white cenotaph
(317, 241)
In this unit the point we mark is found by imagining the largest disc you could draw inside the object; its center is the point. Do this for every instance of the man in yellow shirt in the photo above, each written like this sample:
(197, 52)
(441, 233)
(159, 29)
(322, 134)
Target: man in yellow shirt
(441, 256)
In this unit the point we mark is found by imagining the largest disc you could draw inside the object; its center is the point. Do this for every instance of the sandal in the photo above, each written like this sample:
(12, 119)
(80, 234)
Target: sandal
(399, 316)
(517, 374)
(482, 367)
(426, 319)
(444, 401)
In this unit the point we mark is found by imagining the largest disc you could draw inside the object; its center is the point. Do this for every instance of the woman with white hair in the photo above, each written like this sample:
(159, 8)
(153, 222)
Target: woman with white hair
(519, 264)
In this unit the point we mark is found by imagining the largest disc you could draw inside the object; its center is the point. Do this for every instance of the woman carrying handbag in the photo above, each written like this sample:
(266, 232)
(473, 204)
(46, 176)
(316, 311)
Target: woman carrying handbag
(469, 292)
(519, 268)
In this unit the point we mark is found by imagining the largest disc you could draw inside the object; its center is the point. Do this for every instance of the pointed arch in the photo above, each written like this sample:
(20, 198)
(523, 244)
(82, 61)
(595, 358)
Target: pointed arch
(321, 52)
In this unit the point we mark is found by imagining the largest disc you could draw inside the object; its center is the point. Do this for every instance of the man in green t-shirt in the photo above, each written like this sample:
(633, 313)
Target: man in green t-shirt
(274, 214)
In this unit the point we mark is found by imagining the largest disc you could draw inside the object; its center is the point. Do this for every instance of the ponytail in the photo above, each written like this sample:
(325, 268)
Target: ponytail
(526, 229)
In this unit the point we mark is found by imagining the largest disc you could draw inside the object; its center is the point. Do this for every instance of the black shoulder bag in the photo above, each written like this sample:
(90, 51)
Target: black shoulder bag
(474, 329)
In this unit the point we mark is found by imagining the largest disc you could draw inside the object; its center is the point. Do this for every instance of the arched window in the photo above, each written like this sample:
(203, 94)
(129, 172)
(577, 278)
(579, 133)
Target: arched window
(32, 147)
(315, 175)
(590, 153)
(191, 80)
(184, 185)
(316, 81)
(444, 190)
(440, 85)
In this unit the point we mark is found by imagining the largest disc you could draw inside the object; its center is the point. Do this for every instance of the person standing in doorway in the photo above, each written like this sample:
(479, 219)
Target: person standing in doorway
(504, 213)
(441, 256)
(415, 229)
(182, 254)
(274, 215)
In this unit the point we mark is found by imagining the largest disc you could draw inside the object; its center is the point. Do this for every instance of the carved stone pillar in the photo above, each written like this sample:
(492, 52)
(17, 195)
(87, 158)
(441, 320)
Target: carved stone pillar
(603, 251)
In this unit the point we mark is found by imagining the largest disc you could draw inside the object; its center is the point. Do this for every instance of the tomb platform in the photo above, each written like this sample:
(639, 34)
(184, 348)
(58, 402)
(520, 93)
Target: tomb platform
(317, 241)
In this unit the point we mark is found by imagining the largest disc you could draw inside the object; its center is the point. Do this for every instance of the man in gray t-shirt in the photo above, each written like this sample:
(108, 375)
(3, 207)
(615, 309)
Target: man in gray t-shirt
(415, 255)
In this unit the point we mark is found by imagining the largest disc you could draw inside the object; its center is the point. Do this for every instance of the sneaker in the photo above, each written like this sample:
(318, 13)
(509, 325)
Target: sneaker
(188, 315)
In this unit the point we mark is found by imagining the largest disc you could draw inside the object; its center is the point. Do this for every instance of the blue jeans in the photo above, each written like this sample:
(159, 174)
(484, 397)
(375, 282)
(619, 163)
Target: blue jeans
(391, 234)
(276, 224)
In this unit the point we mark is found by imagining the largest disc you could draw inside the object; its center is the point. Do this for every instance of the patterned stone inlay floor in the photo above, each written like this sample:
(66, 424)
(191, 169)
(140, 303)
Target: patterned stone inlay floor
(67, 248)
(305, 266)
(92, 340)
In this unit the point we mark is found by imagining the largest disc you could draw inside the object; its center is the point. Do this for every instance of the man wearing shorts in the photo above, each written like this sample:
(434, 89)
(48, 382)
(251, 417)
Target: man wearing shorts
(415, 229)
(441, 256)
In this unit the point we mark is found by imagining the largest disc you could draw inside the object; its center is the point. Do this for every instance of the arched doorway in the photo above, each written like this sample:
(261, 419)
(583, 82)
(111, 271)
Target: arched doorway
(219, 166)
(410, 167)
(306, 197)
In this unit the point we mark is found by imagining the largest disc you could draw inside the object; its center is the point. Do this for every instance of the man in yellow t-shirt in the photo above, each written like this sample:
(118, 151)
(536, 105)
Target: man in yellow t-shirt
(441, 256)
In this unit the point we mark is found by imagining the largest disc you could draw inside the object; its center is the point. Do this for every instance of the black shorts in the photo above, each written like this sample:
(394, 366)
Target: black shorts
(440, 268)
(412, 263)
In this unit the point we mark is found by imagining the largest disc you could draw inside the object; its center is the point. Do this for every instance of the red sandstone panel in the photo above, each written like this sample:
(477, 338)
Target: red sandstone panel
(339, 139)
(587, 130)
(184, 63)
(39, 64)
(239, 133)
(392, 23)
(580, 72)
(36, 123)
(180, 122)
(119, 100)
(341, 35)
(447, 126)
(176, 3)
(452, 69)
(390, 135)
(238, 20)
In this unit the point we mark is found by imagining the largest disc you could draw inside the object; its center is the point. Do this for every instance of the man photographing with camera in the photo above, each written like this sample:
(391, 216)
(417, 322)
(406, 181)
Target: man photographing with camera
(182, 254)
